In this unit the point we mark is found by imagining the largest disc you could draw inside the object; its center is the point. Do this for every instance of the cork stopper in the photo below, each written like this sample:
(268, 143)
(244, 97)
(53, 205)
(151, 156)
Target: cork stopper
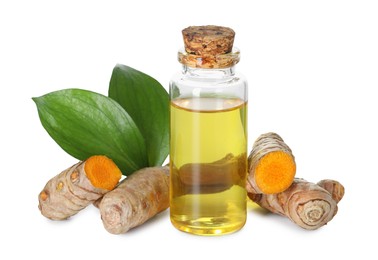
(210, 39)
(208, 46)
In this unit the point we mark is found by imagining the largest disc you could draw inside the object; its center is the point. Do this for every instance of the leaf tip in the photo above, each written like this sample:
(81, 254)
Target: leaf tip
(35, 99)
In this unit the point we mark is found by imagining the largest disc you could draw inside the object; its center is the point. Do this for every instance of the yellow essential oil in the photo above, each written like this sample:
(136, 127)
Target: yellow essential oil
(208, 160)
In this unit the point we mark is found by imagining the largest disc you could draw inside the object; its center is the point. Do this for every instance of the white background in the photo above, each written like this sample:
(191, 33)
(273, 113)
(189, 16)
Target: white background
(312, 68)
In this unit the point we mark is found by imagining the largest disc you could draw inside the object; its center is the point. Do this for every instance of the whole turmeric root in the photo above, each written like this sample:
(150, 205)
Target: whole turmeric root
(136, 199)
(307, 204)
(77, 187)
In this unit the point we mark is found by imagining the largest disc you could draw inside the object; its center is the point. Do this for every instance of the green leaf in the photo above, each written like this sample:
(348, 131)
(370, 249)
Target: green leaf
(85, 123)
(147, 102)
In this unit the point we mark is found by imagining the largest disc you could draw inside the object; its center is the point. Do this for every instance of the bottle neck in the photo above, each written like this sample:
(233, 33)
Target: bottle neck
(201, 73)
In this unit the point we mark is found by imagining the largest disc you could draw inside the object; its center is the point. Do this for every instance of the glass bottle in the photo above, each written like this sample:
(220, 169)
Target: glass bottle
(208, 135)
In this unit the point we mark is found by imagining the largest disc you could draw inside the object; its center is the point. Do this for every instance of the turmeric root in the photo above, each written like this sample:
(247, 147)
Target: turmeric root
(136, 199)
(307, 204)
(77, 187)
(213, 177)
(218, 173)
(334, 188)
(271, 165)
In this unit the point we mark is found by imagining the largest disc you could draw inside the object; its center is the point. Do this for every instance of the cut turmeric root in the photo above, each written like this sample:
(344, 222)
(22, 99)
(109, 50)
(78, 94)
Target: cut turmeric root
(271, 165)
(77, 187)
(307, 204)
(136, 199)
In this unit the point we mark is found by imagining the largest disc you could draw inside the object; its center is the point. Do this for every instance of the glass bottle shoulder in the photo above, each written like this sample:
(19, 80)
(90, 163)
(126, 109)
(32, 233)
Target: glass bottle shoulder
(208, 78)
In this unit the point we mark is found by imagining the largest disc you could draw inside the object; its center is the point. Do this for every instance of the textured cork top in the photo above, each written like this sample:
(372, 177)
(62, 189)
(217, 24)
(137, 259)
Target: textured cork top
(208, 39)
(208, 46)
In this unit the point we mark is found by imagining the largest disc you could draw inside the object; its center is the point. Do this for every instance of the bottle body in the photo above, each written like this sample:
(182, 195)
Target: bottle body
(208, 151)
